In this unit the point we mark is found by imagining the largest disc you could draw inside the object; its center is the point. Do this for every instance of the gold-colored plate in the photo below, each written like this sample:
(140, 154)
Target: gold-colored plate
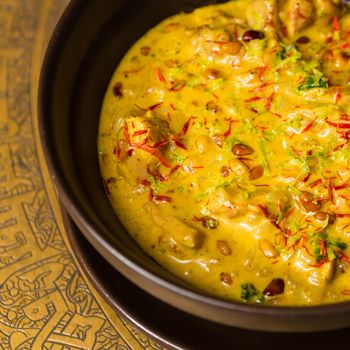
(45, 301)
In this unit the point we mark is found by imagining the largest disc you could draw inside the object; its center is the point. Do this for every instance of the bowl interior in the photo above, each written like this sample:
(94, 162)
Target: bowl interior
(90, 40)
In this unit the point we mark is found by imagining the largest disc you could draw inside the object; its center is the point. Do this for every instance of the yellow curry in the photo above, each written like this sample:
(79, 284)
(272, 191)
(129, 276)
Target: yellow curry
(224, 149)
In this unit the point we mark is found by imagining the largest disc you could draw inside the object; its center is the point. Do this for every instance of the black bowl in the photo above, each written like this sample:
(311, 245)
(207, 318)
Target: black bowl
(89, 41)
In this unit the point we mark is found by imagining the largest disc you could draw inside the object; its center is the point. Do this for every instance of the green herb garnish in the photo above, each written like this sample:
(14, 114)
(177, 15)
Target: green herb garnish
(249, 293)
(338, 244)
(314, 81)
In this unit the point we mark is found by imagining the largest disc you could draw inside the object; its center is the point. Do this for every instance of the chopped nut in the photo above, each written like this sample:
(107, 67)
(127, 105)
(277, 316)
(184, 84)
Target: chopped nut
(225, 171)
(241, 150)
(256, 172)
(323, 216)
(250, 35)
(275, 287)
(226, 278)
(224, 247)
(118, 89)
(308, 202)
(145, 51)
(212, 74)
(212, 107)
(331, 218)
(268, 249)
(303, 40)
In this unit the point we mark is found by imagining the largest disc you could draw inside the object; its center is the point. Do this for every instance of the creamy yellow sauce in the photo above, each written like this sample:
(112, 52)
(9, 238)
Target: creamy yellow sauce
(224, 149)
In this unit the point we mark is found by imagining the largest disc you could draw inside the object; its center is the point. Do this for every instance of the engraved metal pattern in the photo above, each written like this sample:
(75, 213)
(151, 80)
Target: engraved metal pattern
(45, 303)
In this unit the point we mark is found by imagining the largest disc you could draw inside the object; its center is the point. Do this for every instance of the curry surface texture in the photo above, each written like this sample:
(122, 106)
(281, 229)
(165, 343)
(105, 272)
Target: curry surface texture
(224, 149)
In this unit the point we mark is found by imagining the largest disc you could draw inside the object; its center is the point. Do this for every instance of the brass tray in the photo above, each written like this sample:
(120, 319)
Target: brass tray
(45, 300)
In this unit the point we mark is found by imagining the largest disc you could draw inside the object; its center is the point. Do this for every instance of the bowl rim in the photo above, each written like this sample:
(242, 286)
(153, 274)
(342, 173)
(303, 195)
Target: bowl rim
(89, 228)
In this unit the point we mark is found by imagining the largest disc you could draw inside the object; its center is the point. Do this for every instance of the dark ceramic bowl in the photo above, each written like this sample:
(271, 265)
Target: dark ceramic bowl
(85, 49)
